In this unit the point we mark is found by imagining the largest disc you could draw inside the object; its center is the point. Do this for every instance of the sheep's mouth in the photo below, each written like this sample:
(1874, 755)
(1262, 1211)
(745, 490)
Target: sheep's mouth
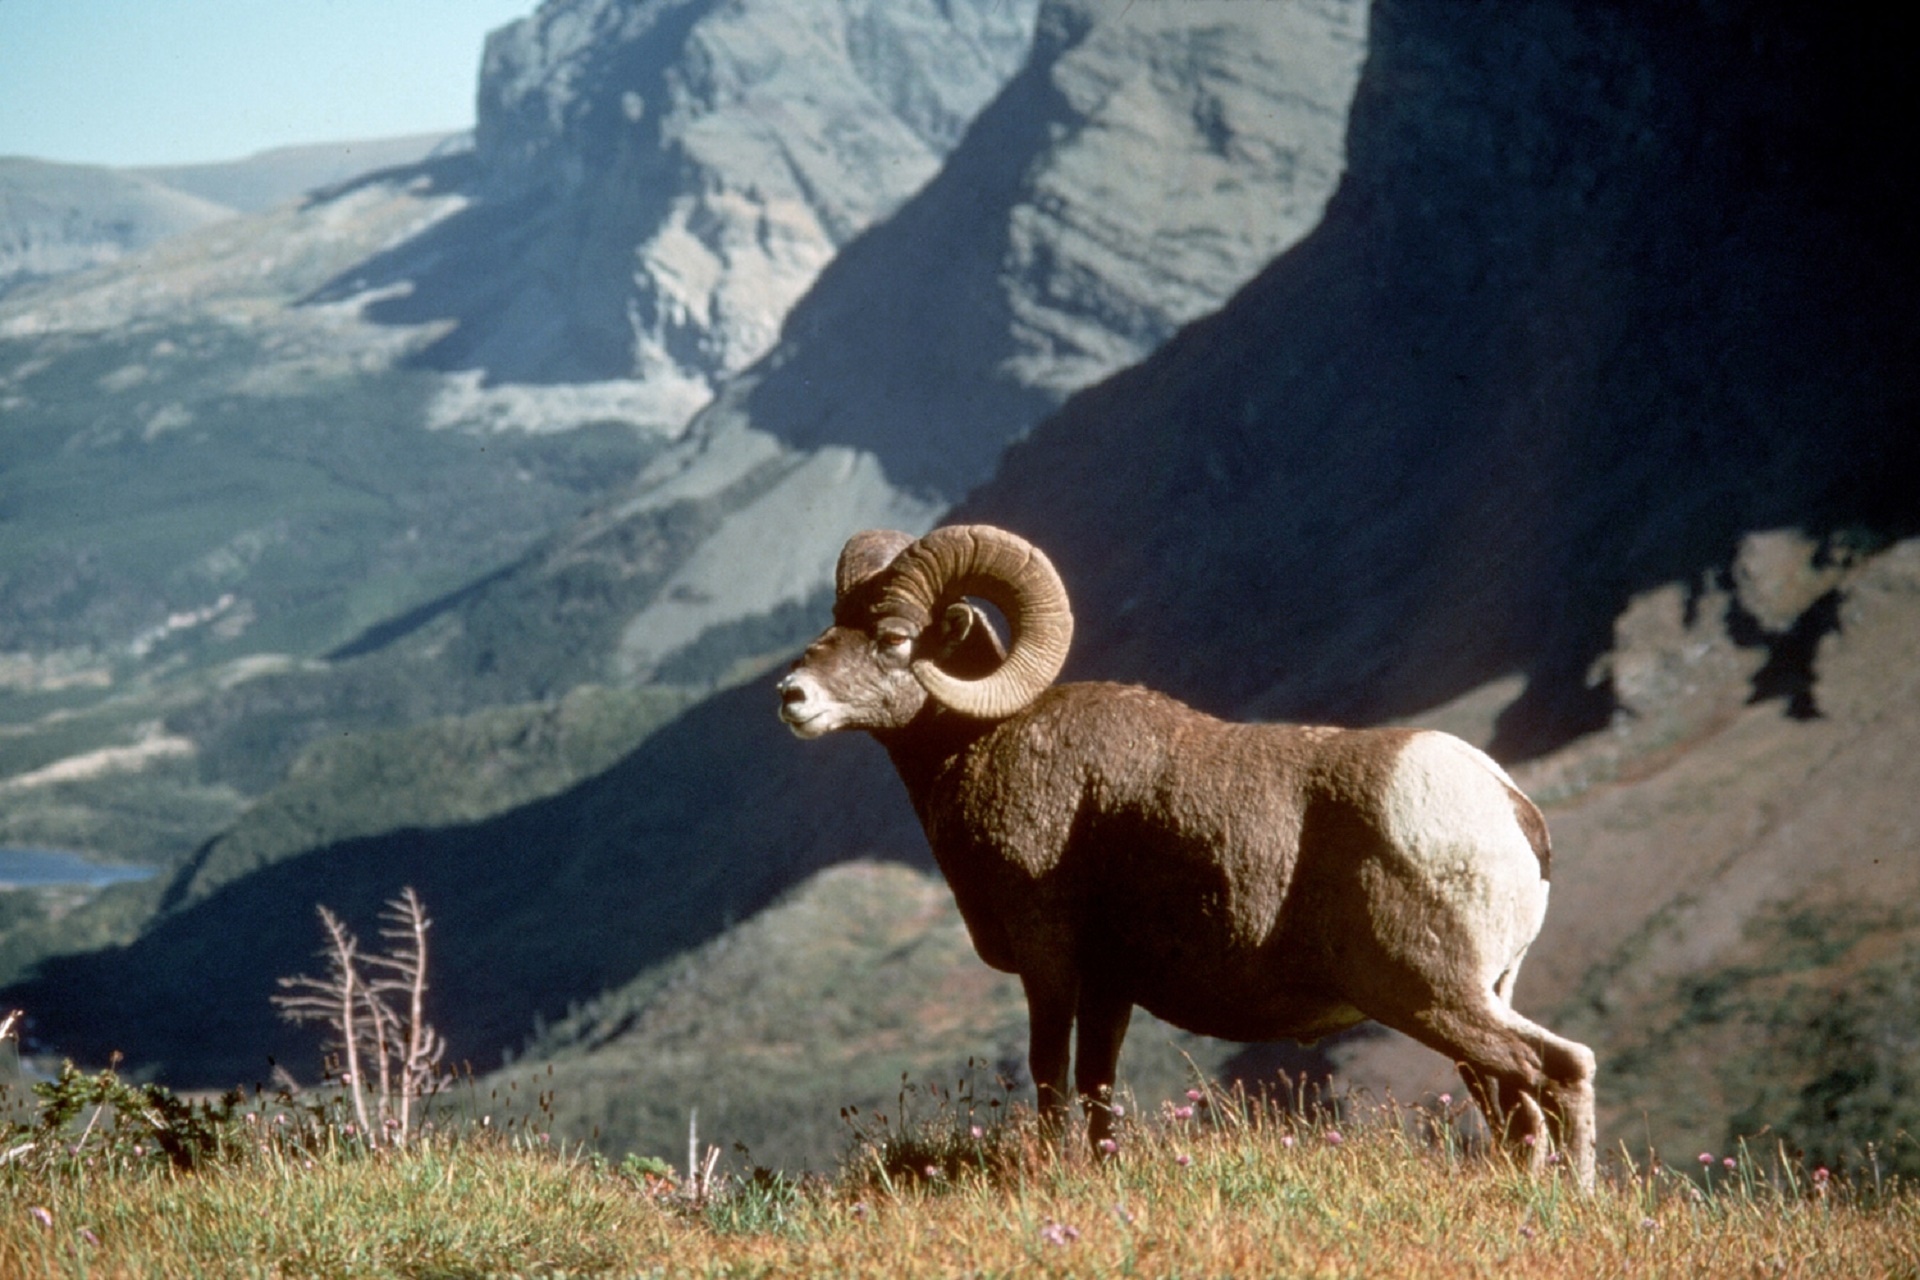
(805, 723)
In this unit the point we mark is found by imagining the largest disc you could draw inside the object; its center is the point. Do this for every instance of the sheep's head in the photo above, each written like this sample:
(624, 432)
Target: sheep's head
(903, 632)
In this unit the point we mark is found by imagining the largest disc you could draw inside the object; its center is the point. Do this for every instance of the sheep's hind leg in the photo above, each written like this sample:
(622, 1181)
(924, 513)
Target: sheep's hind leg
(1515, 1066)
(1102, 1026)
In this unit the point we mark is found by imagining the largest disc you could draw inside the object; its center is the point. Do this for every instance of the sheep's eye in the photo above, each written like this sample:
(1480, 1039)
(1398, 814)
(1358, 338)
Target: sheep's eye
(893, 640)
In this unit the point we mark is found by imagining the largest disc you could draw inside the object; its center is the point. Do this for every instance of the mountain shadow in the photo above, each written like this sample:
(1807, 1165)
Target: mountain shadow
(1604, 288)
(709, 821)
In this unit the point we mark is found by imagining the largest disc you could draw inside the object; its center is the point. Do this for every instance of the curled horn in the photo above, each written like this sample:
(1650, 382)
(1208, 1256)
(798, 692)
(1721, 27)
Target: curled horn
(866, 553)
(979, 560)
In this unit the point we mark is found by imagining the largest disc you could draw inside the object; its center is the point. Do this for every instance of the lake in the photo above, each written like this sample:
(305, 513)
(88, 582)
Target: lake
(28, 868)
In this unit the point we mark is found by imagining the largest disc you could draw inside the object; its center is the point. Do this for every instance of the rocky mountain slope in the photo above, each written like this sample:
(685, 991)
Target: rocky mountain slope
(301, 468)
(56, 218)
(1041, 258)
(663, 180)
(256, 183)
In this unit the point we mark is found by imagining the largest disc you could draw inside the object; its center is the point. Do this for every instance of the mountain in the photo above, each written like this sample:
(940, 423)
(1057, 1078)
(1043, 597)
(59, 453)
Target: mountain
(267, 178)
(660, 181)
(1597, 297)
(301, 473)
(1041, 258)
(56, 218)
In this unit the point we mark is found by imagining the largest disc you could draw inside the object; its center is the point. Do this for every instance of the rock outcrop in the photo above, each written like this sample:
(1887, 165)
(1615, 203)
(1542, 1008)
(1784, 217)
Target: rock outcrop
(661, 180)
(1146, 161)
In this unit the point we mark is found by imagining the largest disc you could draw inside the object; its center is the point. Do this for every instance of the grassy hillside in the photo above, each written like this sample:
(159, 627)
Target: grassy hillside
(1223, 1190)
(212, 483)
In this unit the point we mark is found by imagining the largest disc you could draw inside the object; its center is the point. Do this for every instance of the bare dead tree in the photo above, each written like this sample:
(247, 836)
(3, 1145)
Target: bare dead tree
(418, 1048)
(402, 1051)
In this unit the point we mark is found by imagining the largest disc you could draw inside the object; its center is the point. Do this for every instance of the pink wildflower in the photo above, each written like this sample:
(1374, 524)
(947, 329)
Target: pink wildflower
(1706, 1157)
(42, 1216)
(1183, 1159)
(1333, 1138)
(1194, 1095)
(1109, 1146)
(1183, 1113)
(1730, 1162)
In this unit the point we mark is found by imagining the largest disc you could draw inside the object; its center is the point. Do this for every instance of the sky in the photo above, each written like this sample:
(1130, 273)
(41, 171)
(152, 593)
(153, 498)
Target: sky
(147, 82)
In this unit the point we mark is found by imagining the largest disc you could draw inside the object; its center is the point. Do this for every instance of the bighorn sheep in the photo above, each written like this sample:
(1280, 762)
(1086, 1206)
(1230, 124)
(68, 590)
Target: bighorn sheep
(1113, 847)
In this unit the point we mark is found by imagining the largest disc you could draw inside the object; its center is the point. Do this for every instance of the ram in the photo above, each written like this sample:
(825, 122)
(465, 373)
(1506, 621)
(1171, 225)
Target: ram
(1113, 847)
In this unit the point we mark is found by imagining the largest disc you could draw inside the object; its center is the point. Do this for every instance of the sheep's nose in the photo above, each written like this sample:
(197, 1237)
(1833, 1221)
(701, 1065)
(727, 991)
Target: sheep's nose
(790, 691)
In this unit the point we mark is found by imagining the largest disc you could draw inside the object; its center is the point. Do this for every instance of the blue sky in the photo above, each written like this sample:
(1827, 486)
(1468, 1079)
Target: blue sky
(129, 82)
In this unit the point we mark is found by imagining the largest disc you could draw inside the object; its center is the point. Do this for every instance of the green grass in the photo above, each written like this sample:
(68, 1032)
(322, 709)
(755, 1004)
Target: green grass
(1234, 1189)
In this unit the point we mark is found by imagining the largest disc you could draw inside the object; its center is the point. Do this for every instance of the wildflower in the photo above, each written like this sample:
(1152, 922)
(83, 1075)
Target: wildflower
(252, 1119)
(1333, 1138)
(1706, 1157)
(1286, 1139)
(1648, 1224)
(1118, 1111)
(1531, 1138)
(1526, 1231)
(1059, 1233)
(1109, 1146)
(1194, 1095)
(1730, 1162)
(1820, 1177)
(1120, 1212)
(1183, 1159)
(1183, 1113)
(43, 1217)
(932, 1171)
(976, 1132)
(860, 1210)
(1446, 1099)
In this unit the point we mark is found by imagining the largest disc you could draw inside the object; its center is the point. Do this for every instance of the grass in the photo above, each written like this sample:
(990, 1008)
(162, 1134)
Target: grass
(1232, 1189)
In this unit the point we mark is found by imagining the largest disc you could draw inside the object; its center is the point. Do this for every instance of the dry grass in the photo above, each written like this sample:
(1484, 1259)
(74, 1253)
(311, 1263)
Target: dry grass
(1231, 1190)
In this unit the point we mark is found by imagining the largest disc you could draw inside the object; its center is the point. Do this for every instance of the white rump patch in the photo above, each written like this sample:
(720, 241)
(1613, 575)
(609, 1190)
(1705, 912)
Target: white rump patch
(1449, 810)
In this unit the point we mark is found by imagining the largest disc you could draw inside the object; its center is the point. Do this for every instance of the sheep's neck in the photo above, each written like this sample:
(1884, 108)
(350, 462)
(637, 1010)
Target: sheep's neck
(923, 750)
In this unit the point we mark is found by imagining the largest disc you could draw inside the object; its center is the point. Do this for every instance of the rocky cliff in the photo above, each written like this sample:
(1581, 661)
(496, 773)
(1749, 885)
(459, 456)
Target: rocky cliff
(1044, 256)
(661, 180)
(1601, 292)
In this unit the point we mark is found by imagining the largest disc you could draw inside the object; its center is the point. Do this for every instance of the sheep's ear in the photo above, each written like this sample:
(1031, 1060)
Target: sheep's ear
(965, 644)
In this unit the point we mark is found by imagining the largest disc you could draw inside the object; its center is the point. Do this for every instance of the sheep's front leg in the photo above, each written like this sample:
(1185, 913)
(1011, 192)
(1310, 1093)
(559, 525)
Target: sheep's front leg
(1050, 1004)
(1103, 1018)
